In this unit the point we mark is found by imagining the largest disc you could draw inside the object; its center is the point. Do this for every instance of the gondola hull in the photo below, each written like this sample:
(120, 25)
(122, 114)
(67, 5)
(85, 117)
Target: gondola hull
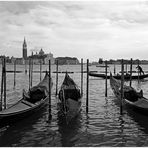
(140, 109)
(12, 117)
(74, 108)
(126, 77)
(139, 105)
(70, 99)
(27, 106)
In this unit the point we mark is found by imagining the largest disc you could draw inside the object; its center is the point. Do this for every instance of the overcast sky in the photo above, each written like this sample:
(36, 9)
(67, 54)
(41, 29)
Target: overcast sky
(82, 29)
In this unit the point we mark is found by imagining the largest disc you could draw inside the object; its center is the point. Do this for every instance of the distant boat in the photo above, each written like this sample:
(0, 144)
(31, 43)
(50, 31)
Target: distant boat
(63, 72)
(70, 99)
(12, 71)
(101, 66)
(32, 101)
(126, 77)
(131, 98)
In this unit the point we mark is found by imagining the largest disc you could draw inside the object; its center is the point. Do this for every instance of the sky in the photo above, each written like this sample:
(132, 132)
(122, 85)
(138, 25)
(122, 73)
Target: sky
(83, 29)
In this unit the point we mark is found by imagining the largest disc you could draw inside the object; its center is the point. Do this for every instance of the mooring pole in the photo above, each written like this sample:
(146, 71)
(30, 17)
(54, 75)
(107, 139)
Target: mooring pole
(81, 77)
(122, 84)
(106, 78)
(29, 72)
(126, 67)
(131, 72)
(25, 67)
(50, 90)
(57, 65)
(4, 83)
(114, 69)
(14, 73)
(40, 69)
(138, 70)
(87, 86)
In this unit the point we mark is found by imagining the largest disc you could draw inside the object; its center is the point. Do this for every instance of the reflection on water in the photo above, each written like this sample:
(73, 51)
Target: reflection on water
(102, 126)
(69, 132)
(15, 132)
(140, 119)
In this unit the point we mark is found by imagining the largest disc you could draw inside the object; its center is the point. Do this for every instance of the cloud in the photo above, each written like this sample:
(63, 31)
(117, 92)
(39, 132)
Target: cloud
(89, 29)
(18, 7)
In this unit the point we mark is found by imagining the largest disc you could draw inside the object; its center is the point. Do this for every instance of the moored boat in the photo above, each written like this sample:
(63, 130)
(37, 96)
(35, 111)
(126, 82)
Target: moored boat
(118, 76)
(69, 99)
(131, 98)
(101, 66)
(32, 101)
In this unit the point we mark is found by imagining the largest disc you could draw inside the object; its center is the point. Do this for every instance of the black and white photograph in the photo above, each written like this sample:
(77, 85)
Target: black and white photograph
(74, 73)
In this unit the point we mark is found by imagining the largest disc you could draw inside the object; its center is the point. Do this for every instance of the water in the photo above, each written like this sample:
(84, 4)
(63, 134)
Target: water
(102, 126)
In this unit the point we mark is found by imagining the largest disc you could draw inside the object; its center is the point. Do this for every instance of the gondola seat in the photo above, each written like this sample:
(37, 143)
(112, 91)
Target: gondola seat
(132, 95)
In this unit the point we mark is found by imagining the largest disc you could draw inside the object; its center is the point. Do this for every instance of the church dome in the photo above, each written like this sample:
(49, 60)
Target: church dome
(41, 52)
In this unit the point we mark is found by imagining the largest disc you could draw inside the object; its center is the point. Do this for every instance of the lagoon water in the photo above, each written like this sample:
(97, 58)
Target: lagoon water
(102, 126)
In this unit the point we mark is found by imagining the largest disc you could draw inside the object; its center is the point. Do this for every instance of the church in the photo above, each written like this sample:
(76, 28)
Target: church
(38, 58)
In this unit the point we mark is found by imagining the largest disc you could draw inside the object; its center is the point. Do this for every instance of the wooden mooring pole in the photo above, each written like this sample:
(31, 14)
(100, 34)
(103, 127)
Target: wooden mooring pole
(106, 79)
(50, 116)
(57, 65)
(81, 77)
(122, 84)
(87, 86)
(25, 67)
(14, 73)
(131, 72)
(40, 69)
(29, 73)
(126, 67)
(138, 70)
(4, 83)
(114, 69)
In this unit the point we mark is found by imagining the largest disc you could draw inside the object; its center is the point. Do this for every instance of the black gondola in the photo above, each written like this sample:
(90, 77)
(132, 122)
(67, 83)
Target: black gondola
(126, 76)
(69, 98)
(131, 98)
(31, 101)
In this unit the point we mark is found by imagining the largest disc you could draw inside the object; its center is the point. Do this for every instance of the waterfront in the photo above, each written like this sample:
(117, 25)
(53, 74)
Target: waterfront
(102, 126)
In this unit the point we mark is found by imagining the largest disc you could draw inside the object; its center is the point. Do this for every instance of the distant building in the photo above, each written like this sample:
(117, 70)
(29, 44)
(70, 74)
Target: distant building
(67, 60)
(24, 50)
(8, 60)
(49, 57)
(38, 58)
(18, 60)
(41, 52)
(41, 57)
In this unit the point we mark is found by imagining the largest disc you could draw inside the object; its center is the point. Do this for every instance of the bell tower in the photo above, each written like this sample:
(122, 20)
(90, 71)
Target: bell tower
(24, 50)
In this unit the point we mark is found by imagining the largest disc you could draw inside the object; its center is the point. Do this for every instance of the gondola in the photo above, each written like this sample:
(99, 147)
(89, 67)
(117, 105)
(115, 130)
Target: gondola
(31, 101)
(101, 66)
(69, 99)
(118, 76)
(132, 98)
